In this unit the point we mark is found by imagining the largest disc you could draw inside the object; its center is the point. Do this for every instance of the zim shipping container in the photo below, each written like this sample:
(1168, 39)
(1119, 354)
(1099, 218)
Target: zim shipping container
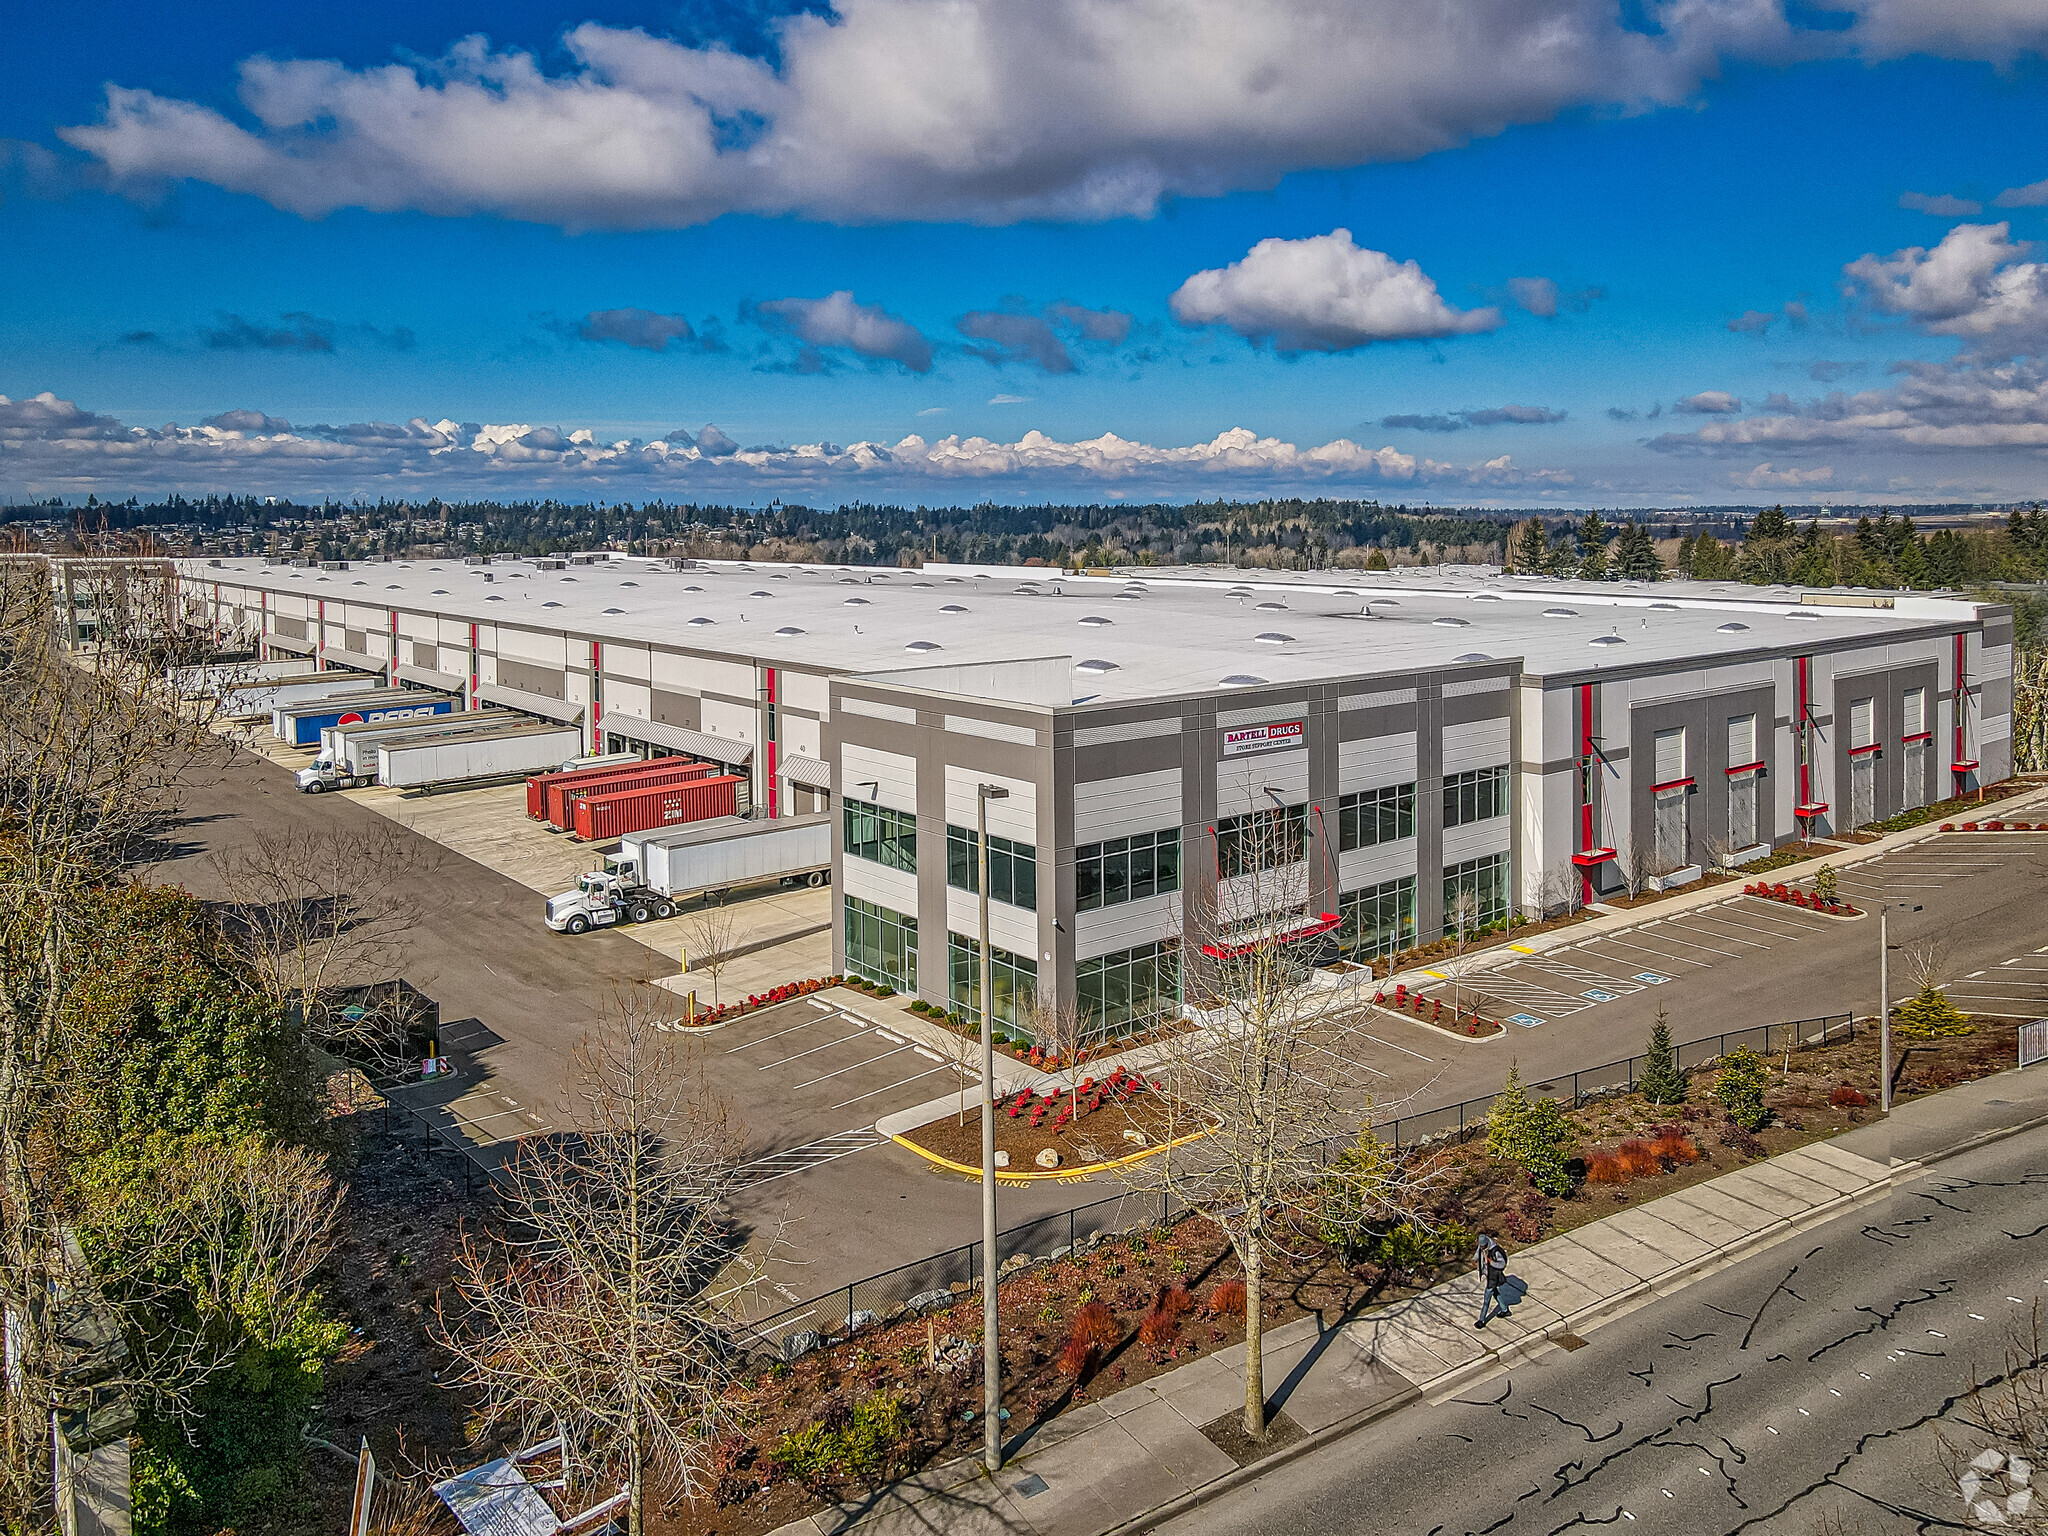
(559, 798)
(600, 818)
(575, 767)
(301, 724)
(512, 751)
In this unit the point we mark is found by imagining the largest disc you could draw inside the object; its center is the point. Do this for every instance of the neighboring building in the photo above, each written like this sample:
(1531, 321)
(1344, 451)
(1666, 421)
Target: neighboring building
(1424, 746)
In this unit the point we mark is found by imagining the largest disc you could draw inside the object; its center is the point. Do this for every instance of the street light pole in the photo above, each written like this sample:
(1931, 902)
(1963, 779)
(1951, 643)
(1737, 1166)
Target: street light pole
(1884, 1009)
(991, 1360)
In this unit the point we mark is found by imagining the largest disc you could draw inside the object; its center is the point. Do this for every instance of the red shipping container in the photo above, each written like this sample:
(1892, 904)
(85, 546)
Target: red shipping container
(561, 798)
(600, 818)
(542, 786)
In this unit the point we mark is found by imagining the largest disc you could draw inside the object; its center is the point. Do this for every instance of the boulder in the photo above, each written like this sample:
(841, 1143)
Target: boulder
(1048, 1158)
(800, 1343)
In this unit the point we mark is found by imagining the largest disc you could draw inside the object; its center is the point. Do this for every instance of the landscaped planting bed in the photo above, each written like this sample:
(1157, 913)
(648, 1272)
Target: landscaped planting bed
(1096, 1121)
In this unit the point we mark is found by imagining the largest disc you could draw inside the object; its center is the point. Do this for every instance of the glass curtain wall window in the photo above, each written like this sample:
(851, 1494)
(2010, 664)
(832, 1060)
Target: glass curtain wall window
(1125, 992)
(881, 835)
(1378, 921)
(1012, 867)
(881, 945)
(1374, 816)
(1124, 869)
(1483, 883)
(1261, 840)
(1479, 795)
(1014, 980)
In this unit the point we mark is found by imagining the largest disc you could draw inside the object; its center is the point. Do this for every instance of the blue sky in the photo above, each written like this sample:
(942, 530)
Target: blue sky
(381, 260)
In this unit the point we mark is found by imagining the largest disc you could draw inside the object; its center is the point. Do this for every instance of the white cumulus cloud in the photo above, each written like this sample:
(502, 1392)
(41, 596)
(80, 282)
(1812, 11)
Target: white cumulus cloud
(1323, 294)
(1976, 283)
(984, 110)
(1768, 477)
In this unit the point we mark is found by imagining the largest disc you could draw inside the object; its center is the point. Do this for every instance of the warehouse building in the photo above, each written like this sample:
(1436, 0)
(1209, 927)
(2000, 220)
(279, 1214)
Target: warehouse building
(1419, 751)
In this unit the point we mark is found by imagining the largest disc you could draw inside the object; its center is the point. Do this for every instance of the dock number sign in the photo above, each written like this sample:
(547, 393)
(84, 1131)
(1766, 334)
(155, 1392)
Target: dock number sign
(1262, 738)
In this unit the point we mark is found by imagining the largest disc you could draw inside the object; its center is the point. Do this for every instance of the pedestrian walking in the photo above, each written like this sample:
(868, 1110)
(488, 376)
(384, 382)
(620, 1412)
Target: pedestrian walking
(1492, 1260)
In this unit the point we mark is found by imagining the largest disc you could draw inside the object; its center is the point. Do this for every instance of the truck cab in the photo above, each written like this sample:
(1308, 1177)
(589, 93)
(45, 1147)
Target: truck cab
(324, 774)
(605, 897)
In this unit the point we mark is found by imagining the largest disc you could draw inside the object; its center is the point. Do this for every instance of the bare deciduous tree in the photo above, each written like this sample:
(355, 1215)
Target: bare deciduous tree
(710, 937)
(312, 908)
(1562, 891)
(1636, 863)
(1057, 1029)
(600, 1321)
(1275, 1076)
(94, 745)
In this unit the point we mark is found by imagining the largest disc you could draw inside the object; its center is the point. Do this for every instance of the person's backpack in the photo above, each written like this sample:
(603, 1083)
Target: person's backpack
(1496, 1262)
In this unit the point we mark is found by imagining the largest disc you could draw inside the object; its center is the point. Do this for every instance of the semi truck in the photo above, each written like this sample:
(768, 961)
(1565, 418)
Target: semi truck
(511, 751)
(348, 752)
(655, 872)
(300, 725)
(209, 678)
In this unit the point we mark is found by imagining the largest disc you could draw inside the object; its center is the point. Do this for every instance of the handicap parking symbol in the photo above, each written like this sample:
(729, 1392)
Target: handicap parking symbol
(1526, 1020)
(1651, 978)
(1597, 995)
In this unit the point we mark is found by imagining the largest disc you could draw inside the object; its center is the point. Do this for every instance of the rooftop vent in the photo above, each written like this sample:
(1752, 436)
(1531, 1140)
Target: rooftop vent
(1096, 621)
(438, 592)
(760, 594)
(693, 589)
(614, 611)
(1473, 656)
(1273, 637)
(700, 621)
(1487, 597)
(629, 583)
(854, 602)
(551, 603)
(952, 608)
(1095, 667)
(1452, 623)
(922, 647)
(359, 583)
(1270, 608)
(787, 630)
(1732, 627)
(1240, 680)
(494, 598)
(1560, 613)
(1607, 640)
(1666, 607)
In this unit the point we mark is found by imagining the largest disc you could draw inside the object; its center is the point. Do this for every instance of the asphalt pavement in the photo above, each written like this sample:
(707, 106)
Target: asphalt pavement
(1806, 1391)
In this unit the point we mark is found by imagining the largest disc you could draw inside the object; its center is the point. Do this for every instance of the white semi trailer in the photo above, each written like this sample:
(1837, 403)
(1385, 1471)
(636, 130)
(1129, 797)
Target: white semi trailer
(348, 753)
(263, 697)
(211, 677)
(655, 871)
(512, 751)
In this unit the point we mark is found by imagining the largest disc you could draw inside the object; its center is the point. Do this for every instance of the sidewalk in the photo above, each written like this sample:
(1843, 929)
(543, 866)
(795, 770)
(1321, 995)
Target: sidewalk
(1139, 1457)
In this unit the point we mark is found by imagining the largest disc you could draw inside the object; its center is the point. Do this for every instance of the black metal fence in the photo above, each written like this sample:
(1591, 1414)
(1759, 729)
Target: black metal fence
(943, 1278)
(478, 1172)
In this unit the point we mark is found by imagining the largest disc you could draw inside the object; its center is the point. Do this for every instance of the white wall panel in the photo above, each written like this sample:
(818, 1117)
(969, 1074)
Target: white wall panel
(1009, 927)
(530, 646)
(1374, 761)
(1128, 924)
(630, 661)
(722, 719)
(1362, 867)
(1241, 783)
(1475, 744)
(1476, 840)
(633, 698)
(1015, 818)
(895, 774)
(891, 888)
(1135, 802)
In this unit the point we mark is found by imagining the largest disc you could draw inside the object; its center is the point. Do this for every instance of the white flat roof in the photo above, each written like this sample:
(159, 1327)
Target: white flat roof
(1159, 632)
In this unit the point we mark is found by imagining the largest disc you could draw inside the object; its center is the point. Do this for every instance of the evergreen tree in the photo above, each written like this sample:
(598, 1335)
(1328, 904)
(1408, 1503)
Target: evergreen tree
(1533, 1135)
(1635, 557)
(1532, 548)
(1771, 524)
(1592, 548)
(1929, 1015)
(1661, 1082)
(1740, 1088)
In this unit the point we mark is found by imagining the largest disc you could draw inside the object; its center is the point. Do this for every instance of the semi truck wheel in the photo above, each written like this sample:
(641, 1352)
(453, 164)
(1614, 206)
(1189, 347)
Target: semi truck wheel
(642, 912)
(665, 909)
(815, 879)
(315, 787)
(579, 924)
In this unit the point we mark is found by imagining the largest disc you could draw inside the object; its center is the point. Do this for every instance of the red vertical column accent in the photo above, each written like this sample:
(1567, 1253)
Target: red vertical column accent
(320, 639)
(1586, 817)
(596, 697)
(473, 674)
(394, 647)
(773, 747)
(1962, 705)
(216, 613)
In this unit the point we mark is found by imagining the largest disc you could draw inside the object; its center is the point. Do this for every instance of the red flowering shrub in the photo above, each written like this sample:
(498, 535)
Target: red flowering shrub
(1846, 1097)
(1605, 1168)
(1227, 1300)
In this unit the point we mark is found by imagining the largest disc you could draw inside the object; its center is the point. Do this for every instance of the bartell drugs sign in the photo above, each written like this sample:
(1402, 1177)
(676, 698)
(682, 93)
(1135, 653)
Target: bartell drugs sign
(1262, 738)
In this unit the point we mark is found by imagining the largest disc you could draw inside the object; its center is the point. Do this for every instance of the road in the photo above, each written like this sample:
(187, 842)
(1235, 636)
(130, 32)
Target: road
(1799, 1393)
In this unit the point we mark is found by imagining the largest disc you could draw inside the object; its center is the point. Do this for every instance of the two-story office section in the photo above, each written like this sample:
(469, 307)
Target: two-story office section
(1415, 749)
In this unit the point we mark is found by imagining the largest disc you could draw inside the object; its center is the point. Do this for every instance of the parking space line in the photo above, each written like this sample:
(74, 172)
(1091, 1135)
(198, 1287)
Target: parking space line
(1726, 954)
(875, 1092)
(1660, 954)
(855, 1067)
(807, 1023)
(800, 1055)
(1736, 938)
(1401, 1048)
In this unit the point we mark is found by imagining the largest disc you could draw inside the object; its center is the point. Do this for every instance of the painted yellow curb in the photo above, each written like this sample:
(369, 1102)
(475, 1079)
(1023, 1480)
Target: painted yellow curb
(1054, 1175)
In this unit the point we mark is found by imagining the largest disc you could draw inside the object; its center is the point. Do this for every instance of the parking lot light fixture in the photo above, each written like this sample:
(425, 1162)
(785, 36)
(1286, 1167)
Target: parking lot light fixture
(991, 1361)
